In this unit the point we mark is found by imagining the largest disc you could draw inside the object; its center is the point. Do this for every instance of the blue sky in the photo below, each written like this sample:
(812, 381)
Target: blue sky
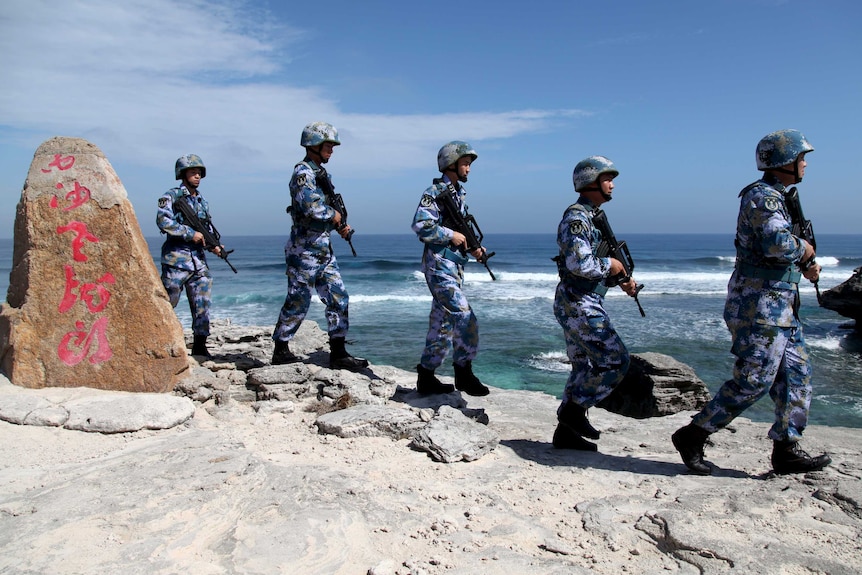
(676, 93)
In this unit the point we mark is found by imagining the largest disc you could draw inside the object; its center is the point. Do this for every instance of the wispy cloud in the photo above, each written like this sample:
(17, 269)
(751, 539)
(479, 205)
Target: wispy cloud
(140, 76)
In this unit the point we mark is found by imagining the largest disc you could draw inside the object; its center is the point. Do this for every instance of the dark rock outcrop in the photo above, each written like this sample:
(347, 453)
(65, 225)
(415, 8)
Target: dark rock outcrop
(656, 385)
(846, 298)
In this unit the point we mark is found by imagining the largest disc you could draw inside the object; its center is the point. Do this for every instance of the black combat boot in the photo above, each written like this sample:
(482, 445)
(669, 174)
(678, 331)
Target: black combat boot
(428, 384)
(282, 354)
(565, 438)
(199, 346)
(689, 441)
(574, 417)
(467, 382)
(788, 457)
(340, 359)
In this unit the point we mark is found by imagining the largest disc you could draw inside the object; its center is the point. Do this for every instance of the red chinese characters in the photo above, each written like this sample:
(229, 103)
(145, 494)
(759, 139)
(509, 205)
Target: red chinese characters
(81, 235)
(75, 345)
(82, 342)
(94, 295)
(60, 162)
(77, 197)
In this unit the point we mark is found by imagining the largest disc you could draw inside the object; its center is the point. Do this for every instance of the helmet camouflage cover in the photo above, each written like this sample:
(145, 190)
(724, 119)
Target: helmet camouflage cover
(317, 133)
(588, 171)
(781, 148)
(452, 152)
(189, 161)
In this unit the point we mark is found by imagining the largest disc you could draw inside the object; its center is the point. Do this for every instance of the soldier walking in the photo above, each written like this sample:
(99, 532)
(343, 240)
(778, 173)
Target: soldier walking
(762, 314)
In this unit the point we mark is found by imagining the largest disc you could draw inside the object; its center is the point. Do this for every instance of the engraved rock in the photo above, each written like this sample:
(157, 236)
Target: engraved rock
(85, 305)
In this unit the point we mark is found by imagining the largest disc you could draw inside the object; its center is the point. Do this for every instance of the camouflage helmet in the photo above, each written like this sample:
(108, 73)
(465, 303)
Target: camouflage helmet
(587, 171)
(317, 133)
(452, 152)
(189, 161)
(781, 148)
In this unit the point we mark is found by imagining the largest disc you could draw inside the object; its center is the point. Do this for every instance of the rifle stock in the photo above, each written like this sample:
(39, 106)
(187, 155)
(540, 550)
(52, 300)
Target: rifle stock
(465, 224)
(609, 246)
(801, 228)
(212, 239)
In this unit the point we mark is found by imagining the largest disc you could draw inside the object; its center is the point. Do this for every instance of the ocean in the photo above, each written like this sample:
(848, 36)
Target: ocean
(521, 345)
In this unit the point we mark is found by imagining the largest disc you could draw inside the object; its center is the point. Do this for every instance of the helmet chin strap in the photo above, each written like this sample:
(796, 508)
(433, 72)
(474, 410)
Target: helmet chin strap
(317, 156)
(458, 178)
(595, 188)
(794, 172)
(189, 186)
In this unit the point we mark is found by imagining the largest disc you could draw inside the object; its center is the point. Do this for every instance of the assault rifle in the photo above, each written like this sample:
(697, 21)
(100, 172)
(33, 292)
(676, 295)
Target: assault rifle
(336, 201)
(465, 224)
(801, 228)
(609, 246)
(212, 239)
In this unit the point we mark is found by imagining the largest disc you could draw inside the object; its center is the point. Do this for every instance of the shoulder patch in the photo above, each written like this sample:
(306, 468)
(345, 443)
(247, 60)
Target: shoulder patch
(577, 228)
(163, 202)
(770, 204)
(426, 201)
(301, 179)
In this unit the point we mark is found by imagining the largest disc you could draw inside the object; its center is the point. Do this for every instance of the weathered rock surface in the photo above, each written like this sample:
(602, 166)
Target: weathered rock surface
(656, 385)
(452, 436)
(314, 483)
(87, 409)
(237, 491)
(846, 298)
(85, 305)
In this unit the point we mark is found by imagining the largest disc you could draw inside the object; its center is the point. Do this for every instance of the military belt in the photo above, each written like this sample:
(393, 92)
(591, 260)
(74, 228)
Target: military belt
(583, 285)
(447, 253)
(312, 225)
(781, 275)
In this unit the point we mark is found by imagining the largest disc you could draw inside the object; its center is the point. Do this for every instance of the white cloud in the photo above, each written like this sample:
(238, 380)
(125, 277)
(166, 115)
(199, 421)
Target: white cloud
(140, 77)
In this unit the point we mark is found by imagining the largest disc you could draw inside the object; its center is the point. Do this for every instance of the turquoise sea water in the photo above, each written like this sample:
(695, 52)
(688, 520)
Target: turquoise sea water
(521, 345)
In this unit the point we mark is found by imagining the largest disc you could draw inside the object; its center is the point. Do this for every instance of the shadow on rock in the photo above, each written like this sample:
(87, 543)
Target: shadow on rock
(546, 454)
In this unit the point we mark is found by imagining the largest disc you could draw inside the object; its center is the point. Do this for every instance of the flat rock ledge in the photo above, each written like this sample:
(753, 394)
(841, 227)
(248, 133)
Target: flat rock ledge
(250, 468)
(87, 409)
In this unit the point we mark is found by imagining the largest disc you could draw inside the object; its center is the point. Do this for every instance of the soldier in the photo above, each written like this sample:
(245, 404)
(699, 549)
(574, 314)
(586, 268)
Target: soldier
(761, 312)
(452, 321)
(184, 262)
(598, 356)
(310, 260)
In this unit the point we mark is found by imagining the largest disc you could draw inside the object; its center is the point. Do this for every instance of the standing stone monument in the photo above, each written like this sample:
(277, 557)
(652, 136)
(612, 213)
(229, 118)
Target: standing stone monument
(85, 306)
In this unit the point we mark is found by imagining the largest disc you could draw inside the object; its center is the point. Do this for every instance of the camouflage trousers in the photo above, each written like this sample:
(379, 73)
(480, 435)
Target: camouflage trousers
(198, 285)
(772, 359)
(598, 356)
(452, 321)
(308, 269)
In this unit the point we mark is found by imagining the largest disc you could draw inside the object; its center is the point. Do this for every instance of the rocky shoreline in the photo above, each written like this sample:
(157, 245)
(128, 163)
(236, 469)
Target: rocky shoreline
(251, 468)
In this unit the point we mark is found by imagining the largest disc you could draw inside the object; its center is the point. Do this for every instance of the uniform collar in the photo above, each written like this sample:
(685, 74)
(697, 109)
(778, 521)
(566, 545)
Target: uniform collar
(773, 182)
(584, 201)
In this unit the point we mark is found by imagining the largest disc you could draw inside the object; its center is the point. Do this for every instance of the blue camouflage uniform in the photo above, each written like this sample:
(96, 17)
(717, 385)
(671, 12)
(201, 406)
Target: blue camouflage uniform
(598, 356)
(761, 314)
(184, 262)
(310, 259)
(452, 321)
